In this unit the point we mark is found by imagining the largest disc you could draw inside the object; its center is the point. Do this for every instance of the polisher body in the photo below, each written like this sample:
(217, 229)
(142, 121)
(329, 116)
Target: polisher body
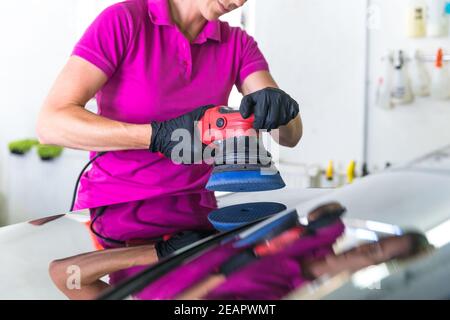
(241, 163)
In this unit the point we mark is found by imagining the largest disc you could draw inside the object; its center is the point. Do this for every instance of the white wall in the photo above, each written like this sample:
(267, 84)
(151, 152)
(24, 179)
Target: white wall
(316, 50)
(316, 53)
(407, 131)
(37, 37)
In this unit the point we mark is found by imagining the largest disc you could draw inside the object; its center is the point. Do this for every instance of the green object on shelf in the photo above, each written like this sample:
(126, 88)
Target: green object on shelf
(47, 152)
(21, 147)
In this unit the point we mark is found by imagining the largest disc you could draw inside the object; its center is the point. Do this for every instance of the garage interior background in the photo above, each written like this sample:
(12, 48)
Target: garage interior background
(327, 54)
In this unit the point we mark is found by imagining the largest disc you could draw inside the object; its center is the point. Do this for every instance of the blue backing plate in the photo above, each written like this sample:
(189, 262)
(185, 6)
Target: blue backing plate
(229, 218)
(244, 181)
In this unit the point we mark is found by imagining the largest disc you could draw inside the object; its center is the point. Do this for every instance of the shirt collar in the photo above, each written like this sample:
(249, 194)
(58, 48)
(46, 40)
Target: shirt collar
(211, 31)
(159, 12)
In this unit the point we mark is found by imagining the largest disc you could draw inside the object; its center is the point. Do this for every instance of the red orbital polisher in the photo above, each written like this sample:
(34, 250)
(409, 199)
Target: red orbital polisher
(241, 163)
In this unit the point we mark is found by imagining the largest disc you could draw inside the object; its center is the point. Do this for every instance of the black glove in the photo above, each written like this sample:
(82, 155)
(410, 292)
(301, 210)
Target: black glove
(272, 108)
(237, 262)
(325, 215)
(179, 241)
(187, 152)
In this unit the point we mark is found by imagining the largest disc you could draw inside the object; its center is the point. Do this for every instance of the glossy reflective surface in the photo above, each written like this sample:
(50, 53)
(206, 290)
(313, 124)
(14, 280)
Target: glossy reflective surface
(367, 255)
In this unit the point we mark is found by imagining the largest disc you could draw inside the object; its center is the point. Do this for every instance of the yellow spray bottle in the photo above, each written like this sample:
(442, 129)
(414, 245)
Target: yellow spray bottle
(329, 173)
(351, 171)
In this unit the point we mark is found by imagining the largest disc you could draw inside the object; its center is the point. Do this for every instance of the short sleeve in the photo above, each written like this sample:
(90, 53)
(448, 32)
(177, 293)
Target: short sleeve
(106, 40)
(251, 60)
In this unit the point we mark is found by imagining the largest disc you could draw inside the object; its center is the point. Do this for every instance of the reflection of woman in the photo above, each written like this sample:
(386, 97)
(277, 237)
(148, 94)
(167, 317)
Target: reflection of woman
(274, 276)
(121, 263)
(146, 220)
(95, 265)
(219, 263)
(262, 281)
(140, 238)
(118, 263)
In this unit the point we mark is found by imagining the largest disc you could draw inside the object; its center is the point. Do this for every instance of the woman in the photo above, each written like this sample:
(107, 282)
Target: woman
(297, 267)
(211, 276)
(123, 263)
(156, 65)
(131, 245)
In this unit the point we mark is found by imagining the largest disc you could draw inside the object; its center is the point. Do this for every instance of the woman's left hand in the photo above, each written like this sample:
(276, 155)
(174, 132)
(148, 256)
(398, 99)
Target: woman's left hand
(272, 108)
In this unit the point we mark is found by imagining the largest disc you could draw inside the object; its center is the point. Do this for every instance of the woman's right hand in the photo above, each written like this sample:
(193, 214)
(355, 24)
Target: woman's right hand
(179, 139)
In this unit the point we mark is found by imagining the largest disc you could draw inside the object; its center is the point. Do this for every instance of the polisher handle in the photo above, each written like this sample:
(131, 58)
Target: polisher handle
(221, 123)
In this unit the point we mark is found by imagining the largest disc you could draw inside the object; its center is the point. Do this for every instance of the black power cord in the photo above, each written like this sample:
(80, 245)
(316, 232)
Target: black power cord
(75, 191)
(100, 210)
(98, 214)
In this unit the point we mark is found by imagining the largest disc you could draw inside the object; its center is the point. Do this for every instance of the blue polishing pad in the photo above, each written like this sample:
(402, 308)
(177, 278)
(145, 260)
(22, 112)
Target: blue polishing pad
(229, 218)
(244, 181)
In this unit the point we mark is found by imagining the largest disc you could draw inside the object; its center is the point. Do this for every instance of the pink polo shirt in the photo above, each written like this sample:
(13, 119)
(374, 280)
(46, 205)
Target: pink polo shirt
(155, 74)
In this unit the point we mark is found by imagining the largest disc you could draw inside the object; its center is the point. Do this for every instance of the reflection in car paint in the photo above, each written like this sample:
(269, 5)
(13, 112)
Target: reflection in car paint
(268, 276)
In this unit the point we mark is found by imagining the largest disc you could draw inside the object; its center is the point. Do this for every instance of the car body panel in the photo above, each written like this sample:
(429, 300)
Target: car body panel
(415, 195)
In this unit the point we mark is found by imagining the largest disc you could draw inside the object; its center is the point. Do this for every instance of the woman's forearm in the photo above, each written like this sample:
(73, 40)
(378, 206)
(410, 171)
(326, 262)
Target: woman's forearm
(75, 127)
(290, 134)
(202, 288)
(95, 265)
(64, 121)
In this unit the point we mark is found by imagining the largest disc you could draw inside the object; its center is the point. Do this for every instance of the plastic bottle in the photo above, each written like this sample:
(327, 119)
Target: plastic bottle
(329, 172)
(420, 78)
(440, 84)
(351, 174)
(383, 100)
(401, 92)
(437, 20)
(328, 180)
(416, 18)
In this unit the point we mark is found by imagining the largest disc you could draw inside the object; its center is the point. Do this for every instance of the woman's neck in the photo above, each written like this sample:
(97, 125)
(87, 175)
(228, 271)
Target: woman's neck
(187, 17)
